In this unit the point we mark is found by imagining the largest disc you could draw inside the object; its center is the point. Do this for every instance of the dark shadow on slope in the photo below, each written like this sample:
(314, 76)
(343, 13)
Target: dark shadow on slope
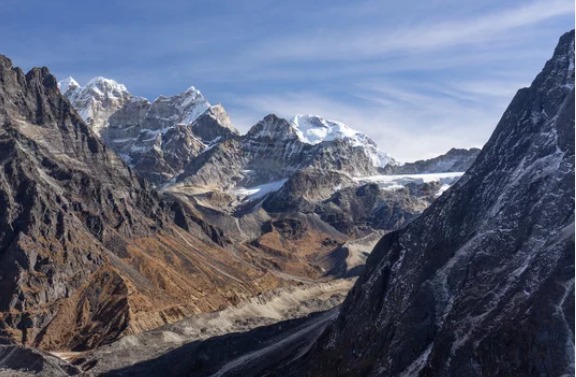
(205, 357)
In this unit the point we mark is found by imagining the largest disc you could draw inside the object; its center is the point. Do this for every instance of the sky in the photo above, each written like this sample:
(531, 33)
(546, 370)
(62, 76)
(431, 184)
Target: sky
(419, 77)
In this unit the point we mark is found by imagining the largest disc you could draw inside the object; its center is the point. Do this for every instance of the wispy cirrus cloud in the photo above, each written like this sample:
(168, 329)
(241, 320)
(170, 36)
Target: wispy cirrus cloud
(377, 39)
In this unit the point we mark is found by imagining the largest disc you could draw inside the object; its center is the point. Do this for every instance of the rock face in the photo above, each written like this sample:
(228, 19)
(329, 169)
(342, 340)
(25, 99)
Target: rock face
(97, 100)
(482, 283)
(88, 252)
(156, 138)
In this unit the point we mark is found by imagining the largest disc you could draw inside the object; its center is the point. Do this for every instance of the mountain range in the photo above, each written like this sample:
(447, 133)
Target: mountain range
(480, 284)
(112, 205)
(120, 216)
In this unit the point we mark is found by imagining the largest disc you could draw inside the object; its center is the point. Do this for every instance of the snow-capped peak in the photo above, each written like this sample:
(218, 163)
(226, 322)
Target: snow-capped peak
(192, 90)
(106, 88)
(96, 101)
(190, 103)
(312, 129)
(68, 84)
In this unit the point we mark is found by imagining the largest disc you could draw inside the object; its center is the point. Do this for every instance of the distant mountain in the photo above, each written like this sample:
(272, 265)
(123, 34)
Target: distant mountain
(300, 167)
(160, 139)
(182, 143)
(96, 101)
(156, 138)
(275, 148)
(313, 129)
(455, 160)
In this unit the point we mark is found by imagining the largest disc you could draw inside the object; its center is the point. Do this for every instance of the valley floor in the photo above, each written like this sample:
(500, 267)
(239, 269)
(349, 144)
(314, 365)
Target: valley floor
(266, 310)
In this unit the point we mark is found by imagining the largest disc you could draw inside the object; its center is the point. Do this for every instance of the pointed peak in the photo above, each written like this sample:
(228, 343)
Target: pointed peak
(68, 84)
(192, 96)
(272, 126)
(218, 114)
(106, 84)
(5, 62)
(313, 129)
(192, 89)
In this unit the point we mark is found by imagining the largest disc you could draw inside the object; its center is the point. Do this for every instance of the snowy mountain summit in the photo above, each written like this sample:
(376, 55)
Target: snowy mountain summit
(68, 85)
(158, 137)
(96, 101)
(312, 129)
(101, 97)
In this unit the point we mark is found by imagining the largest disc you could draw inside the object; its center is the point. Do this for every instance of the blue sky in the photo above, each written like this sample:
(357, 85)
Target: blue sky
(419, 77)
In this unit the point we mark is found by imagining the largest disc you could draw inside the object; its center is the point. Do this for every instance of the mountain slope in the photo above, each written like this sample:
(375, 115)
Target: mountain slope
(483, 282)
(88, 252)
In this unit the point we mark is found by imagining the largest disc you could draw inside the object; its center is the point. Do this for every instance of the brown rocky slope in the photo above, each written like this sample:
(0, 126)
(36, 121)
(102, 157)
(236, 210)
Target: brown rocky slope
(88, 252)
